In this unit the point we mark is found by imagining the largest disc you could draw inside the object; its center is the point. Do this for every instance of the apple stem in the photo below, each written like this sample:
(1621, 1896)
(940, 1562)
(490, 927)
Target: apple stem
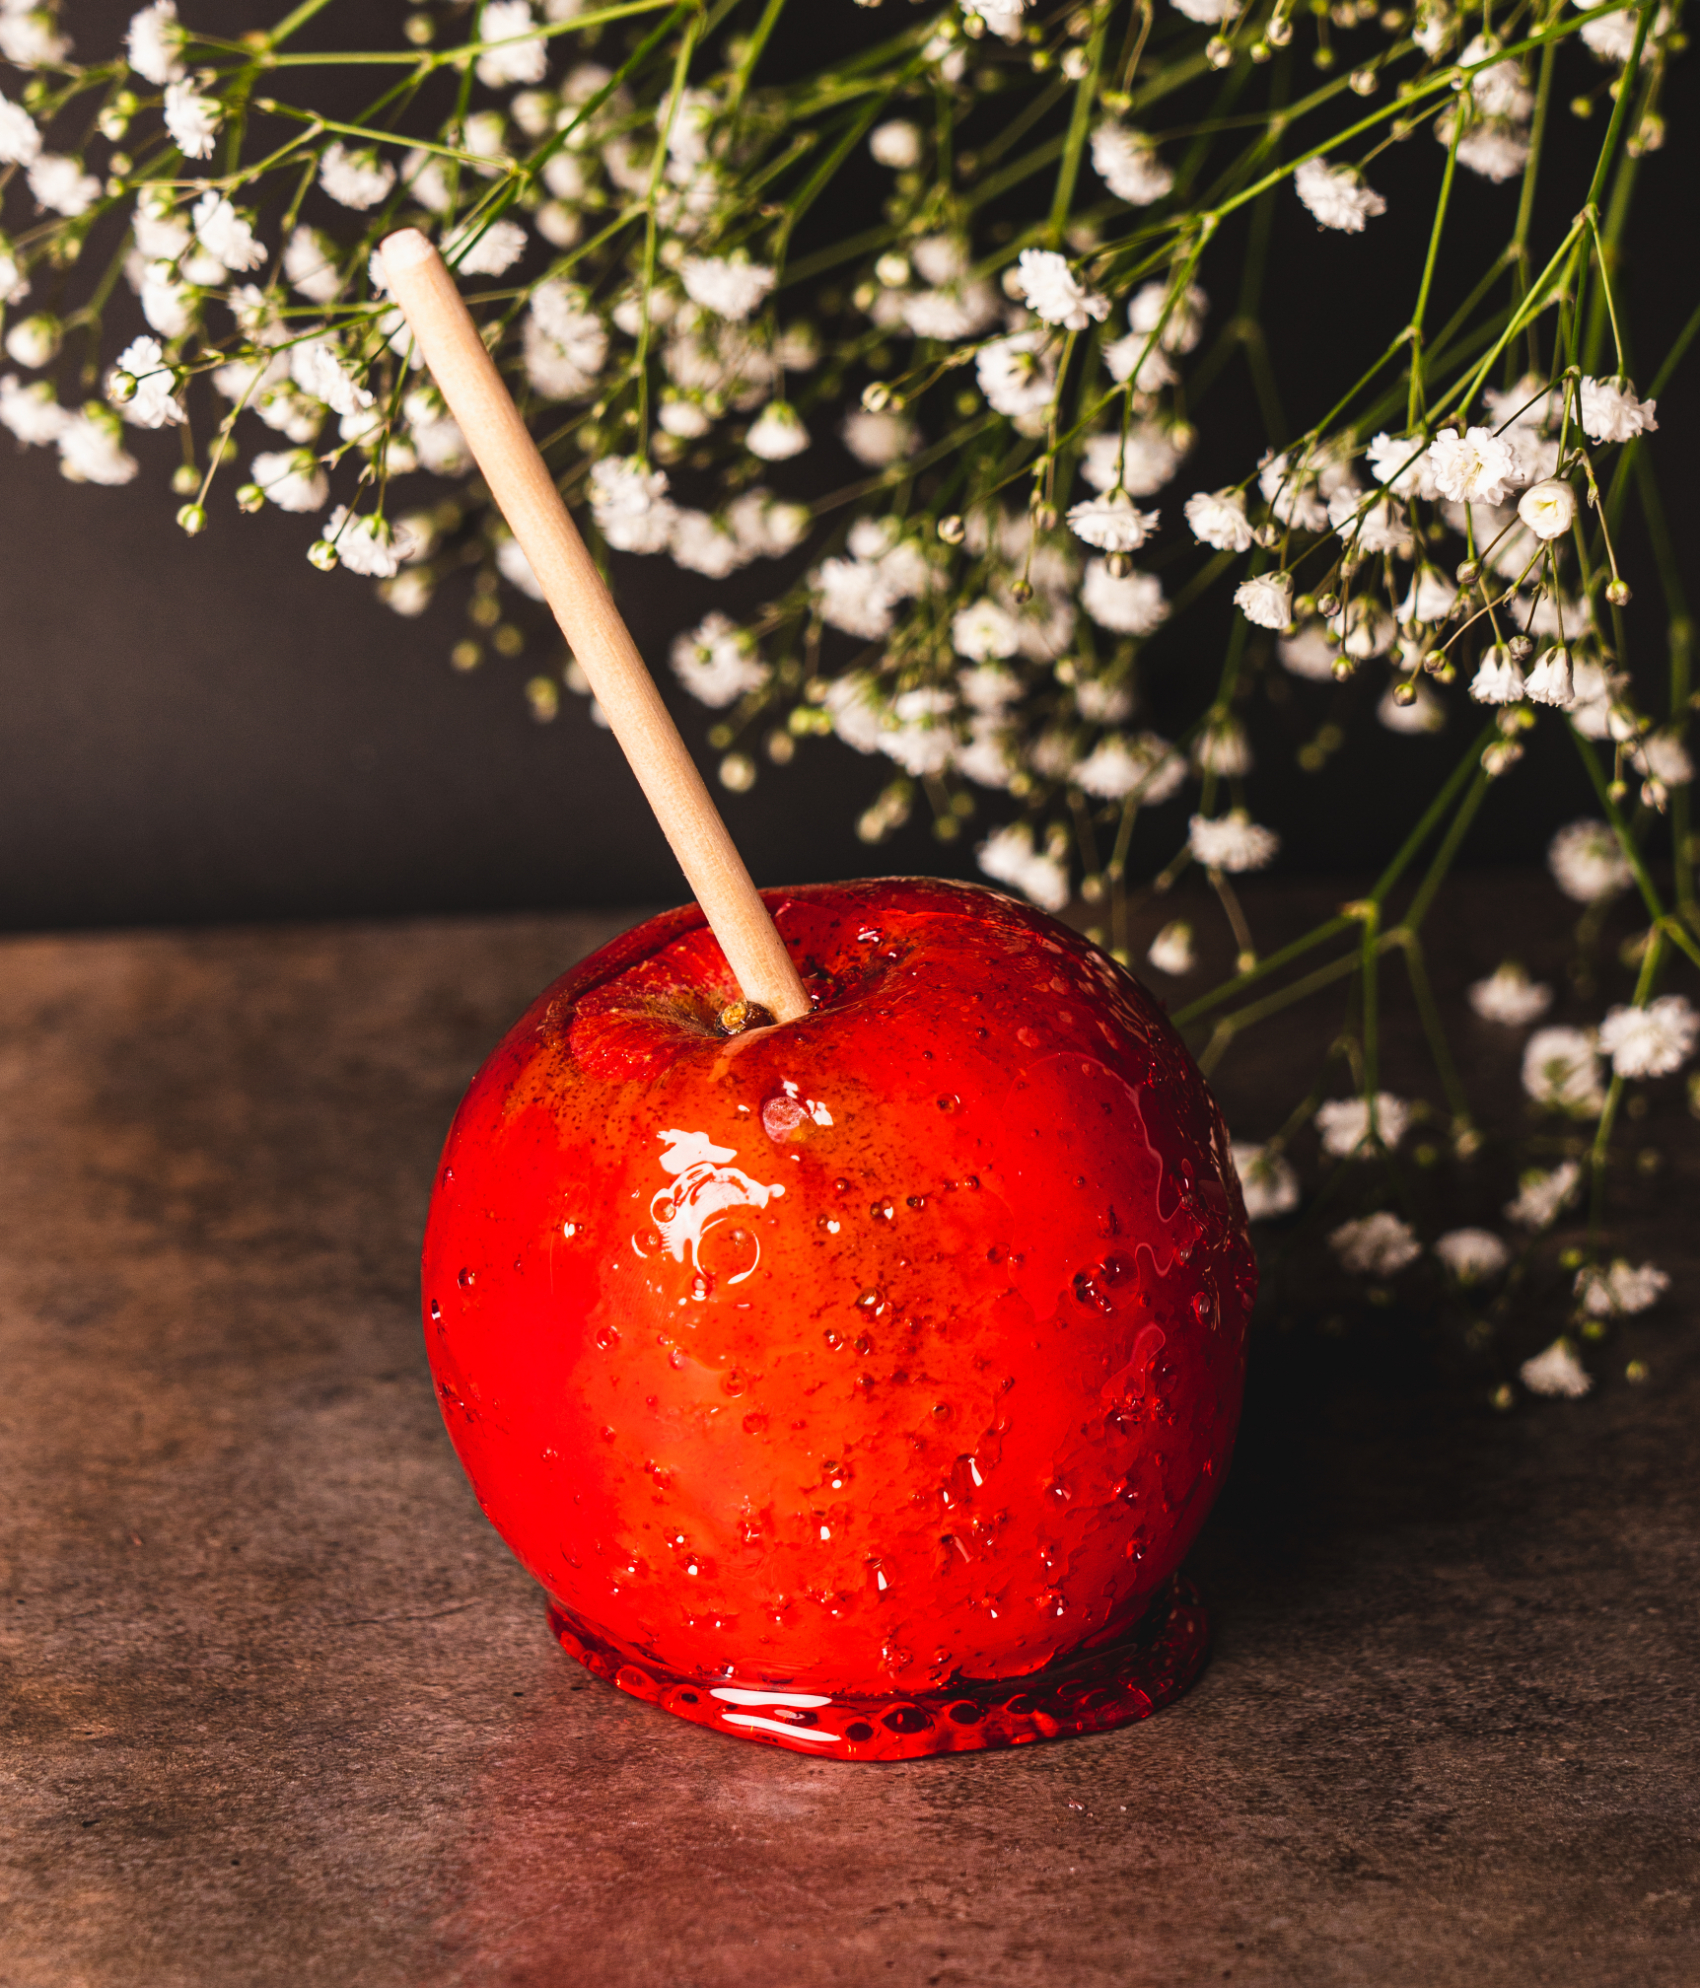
(525, 492)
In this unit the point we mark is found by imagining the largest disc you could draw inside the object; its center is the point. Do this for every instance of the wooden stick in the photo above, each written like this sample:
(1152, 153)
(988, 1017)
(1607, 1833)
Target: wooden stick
(525, 492)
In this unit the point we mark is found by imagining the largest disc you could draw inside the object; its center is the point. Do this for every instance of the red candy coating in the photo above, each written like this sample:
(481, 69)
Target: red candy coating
(855, 1385)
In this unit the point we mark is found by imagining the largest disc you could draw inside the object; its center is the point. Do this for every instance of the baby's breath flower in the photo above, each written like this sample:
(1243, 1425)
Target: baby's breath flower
(1051, 291)
(1611, 413)
(897, 144)
(90, 449)
(1509, 996)
(1149, 459)
(1289, 489)
(316, 367)
(1421, 713)
(20, 141)
(1548, 508)
(717, 662)
(30, 39)
(777, 433)
(484, 248)
(1222, 748)
(1587, 863)
(1309, 653)
(1183, 326)
(1557, 1371)
(704, 544)
(61, 185)
(353, 178)
(1146, 769)
(565, 342)
(1337, 196)
(168, 304)
(877, 439)
(1112, 523)
(34, 341)
(368, 545)
(1541, 1197)
(1267, 1181)
(1620, 1289)
(1008, 856)
(1232, 842)
(1343, 1124)
(630, 504)
(1172, 952)
(1017, 374)
(1498, 680)
(1208, 13)
(1375, 1245)
(1266, 600)
(765, 526)
(962, 310)
(855, 597)
(1494, 147)
(1401, 462)
(1127, 162)
(515, 60)
(1131, 605)
(292, 480)
(14, 285)
(1218, 519)
(1551, 680)
(1477, 466)
(154, 43)
(1429, 600)
(1472, 1255)
(1561, 1070)
(1651, 1041)
(1139, 358)
(154, 403)
(984, 632)
(730, 286)
(192, 120)
(31, 412)
(225, 233)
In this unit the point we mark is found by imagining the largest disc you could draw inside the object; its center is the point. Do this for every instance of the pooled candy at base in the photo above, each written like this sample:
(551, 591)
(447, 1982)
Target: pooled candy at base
(855, 1385)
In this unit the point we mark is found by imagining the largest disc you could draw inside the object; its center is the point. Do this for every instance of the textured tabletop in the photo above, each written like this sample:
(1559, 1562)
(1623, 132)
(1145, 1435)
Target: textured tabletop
(279, 1711)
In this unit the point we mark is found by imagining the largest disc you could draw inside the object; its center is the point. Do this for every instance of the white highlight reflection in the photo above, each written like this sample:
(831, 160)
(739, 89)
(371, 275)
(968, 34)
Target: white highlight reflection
(704, 1190)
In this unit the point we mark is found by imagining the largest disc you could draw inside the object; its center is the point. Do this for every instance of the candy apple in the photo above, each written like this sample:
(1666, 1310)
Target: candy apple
(856, 1384)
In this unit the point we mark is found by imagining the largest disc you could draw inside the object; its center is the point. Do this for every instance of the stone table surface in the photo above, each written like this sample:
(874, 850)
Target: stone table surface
(279, 1709)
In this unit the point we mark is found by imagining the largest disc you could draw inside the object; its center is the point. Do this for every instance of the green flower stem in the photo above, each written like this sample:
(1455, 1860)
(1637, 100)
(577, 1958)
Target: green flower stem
(1414, 331)
(1434, 1029)
(1085, 100)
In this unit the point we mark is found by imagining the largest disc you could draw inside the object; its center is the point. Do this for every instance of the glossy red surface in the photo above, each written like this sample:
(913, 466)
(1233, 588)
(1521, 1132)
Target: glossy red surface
(882, 1360)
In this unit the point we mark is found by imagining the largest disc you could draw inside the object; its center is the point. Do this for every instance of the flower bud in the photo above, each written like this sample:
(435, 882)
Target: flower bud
(192, 519)
(120, 387)
(185, 479)
(34, 341)
(323, 555)
(1617, 593)
(876, 396)
(250, 498)
(952, 531)
(1218, 52)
